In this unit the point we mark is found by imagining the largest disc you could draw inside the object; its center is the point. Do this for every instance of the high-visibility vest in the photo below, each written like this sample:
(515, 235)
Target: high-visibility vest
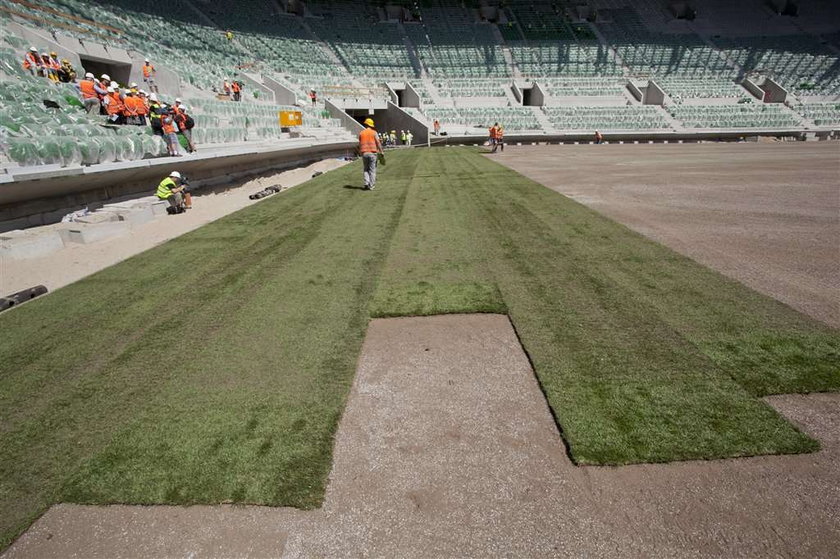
(235, 87)
(147, 70)
(54, 64)
(30, 61)
(226, 87)
(87, 89)
(168, 125)
(142, 107)
(493, 132)
(115, 105)
(154, 114)
(164, 189)
(130, 104)
(500, 133)
(367, 141)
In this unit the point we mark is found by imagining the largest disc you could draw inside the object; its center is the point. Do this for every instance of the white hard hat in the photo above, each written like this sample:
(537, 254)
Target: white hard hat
(89, 75)
(45, 53)
(33, 49)
(147, 60)
(175, 175)
(184, 107)
(142, 92)
(106, 77)
(111, 89)
(133, 84)
(153, 97)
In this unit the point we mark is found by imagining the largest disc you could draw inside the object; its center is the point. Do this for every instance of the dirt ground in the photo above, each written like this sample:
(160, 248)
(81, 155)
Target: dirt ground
(767, 215)
(447, 448)
(74, 262)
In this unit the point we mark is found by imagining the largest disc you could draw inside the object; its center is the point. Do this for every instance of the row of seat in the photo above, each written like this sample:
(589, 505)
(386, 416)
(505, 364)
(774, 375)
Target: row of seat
(625, 117)
(745, 115)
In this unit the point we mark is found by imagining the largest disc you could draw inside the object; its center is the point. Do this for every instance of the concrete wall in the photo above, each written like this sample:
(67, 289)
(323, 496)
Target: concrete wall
(517, 92)
(654, 95)
(254, 83)
(348, 122)
(537, 95)
(773, 92)
(635, 91)
(410, 97)
(753, 88)
(397, 119)
(282, 94)
(168, 82)
(43, 197)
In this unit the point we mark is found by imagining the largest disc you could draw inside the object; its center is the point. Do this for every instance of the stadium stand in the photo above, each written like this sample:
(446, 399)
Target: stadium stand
(460, 64)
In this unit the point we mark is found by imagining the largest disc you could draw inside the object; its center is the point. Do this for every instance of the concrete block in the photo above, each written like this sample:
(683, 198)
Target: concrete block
(98, 217)
(92, 233)
(133, 216)
(159, 208)
(25, 246)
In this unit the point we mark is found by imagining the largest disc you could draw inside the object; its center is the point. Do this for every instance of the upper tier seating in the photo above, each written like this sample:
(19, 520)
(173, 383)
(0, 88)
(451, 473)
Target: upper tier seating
(564, 58)
(586, 87)
(680, 88)
(471, 88)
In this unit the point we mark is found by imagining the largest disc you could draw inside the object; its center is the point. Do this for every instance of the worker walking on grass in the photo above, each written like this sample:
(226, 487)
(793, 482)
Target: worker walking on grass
(369, 148)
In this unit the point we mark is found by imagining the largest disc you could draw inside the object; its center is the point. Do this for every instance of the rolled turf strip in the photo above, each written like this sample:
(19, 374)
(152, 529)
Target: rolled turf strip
(21, 297)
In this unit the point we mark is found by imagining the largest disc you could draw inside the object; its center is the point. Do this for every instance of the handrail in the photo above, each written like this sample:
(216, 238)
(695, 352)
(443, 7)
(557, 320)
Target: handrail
(67, 16)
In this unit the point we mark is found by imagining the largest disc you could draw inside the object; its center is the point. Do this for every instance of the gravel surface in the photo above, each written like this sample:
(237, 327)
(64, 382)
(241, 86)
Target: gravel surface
(767, 215)
(447, 448)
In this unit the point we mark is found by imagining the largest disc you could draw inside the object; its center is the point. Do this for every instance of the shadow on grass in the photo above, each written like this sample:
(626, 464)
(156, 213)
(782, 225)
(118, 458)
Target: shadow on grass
(353, 187)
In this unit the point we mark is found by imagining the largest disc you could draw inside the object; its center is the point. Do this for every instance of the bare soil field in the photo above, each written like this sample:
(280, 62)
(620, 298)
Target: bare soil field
(767, 215)
(447, 448)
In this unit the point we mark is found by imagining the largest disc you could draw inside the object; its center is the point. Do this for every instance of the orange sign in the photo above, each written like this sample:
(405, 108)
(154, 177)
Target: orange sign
(291, 118)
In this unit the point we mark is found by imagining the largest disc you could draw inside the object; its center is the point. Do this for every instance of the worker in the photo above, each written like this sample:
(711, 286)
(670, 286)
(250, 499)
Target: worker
(142, 107)
(409, 137)
(155, 113)
(170, 132)
(66, 72)
(32, 61)
(313, 96)
(491, 141)
(91, 93)
(226, 87)
(149, 73)
(131, 110)
(114, 106)
(229, 35)
(50, 67)
(500, 138)
(403, 137)
(369, 148)
(236, 88)
(437, 127)
(172, 189)
(393, 137)
(185, 124)
(599, 138)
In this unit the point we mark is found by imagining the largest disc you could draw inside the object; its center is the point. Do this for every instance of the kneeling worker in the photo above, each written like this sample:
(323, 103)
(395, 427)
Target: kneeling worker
(174, 189)
(369, 148)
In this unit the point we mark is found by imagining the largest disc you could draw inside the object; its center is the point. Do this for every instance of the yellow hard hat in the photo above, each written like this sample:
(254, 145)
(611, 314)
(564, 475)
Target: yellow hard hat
(369, 122)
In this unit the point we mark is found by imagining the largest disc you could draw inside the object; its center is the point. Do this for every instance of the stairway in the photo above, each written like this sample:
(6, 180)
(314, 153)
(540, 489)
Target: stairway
(411, 49)
(542, 118)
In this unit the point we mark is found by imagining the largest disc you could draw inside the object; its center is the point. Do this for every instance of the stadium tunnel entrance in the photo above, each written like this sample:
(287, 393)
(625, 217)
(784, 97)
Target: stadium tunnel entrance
(119, 71)
(393, 118)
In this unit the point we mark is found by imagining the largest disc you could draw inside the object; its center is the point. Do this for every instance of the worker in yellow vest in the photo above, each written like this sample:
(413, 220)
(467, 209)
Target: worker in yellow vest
(173, 190)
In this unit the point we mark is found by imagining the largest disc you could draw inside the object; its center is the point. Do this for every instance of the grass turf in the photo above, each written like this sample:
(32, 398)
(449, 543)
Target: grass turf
(215, 367)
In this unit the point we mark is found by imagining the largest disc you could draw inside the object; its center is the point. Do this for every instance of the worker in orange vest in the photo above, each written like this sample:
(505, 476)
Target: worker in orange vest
(236, 88)
(142, 107)
(369, 148)
(91, 93)
(226, 86)
(131, 112)
(149, 76)
(170, 133)
(32, 61)
(500, 138)
(114, 106)
(492, 134)
(49, 67)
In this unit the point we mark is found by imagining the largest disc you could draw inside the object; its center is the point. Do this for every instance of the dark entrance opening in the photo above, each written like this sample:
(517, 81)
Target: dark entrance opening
(119, 71)
(526, 97)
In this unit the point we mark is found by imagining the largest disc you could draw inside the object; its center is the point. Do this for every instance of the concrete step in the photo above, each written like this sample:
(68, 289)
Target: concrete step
(88, 233)
(19, 245)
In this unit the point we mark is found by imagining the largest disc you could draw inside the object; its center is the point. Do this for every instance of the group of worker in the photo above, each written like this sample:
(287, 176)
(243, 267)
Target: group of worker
(497, 137)
(233, 89)
(47, 65)
(391, 139)
(133, 106)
